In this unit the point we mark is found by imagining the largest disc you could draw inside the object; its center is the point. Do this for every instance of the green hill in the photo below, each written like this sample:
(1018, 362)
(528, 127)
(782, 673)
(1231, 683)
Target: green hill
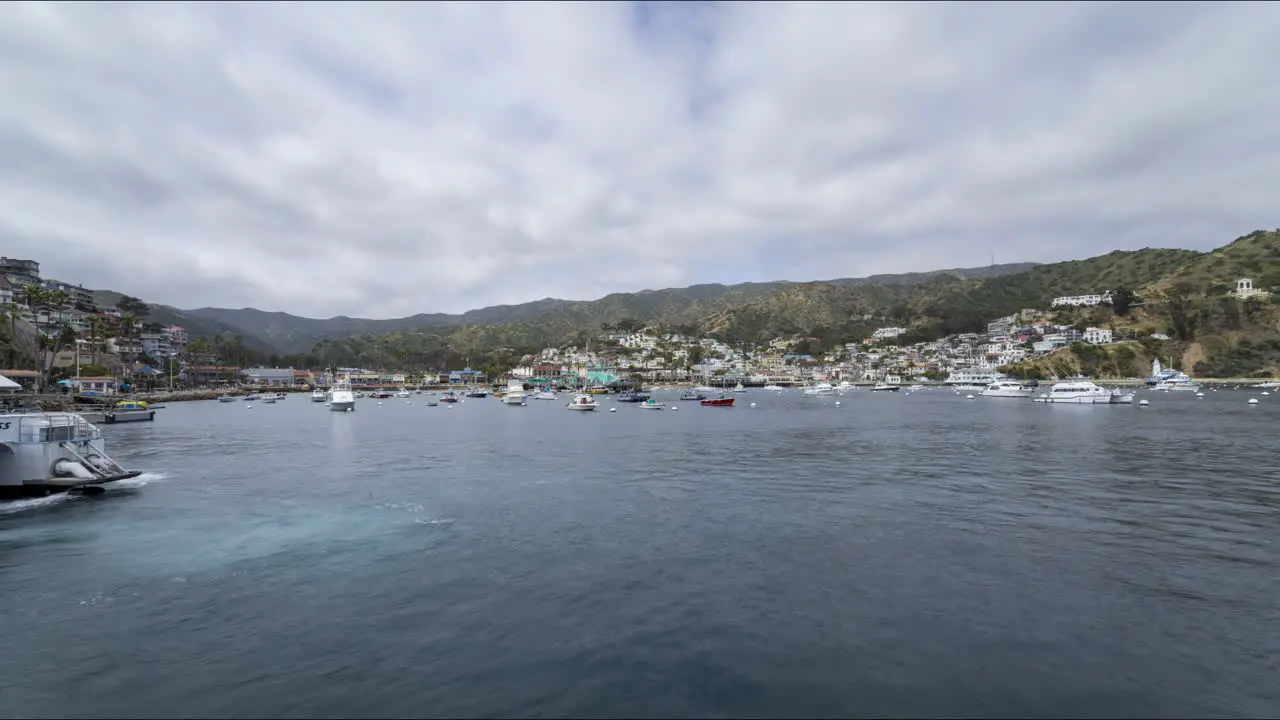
(549, 316)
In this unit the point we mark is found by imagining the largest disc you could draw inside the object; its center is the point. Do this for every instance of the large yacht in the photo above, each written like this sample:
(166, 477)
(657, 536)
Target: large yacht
(515, 393)
(341, 398)
(970, 379)
(1008, 389)
(1082, 391)
(1176, 380)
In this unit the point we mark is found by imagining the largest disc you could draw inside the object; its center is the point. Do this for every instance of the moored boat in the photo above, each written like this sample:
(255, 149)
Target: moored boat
(341, 397)
(631, 396)
(318, 395)
(652, 404)
(122, 411)
(1008, 389)
(722, 401)
(584, 402)
(692, 395)
(1081, 390)
(514, 394)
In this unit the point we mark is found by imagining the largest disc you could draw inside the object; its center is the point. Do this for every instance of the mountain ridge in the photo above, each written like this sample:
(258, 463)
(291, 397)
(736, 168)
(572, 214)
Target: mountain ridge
(288, 333)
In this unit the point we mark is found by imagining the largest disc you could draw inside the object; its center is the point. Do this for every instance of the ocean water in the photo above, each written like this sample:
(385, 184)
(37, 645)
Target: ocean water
(897, 555)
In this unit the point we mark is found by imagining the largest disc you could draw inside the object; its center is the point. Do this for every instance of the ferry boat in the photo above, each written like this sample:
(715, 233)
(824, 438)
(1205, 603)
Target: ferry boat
(48, 453)
(1081, 390)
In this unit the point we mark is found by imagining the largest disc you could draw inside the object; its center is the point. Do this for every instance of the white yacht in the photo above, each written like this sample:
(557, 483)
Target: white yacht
(515, 393)
(403, 393)
(543, 395)
(891, 383)
(846, 386)
(739, 387)
(1008, 389)
(582, 401)
(318, 395)
(48, 453)
(822, 388)
(341, 398)
(971, 380)
(1082, 391)
(1176, 380)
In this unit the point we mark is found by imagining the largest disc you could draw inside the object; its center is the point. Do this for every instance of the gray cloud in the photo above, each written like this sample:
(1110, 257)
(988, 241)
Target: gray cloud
(385, 159)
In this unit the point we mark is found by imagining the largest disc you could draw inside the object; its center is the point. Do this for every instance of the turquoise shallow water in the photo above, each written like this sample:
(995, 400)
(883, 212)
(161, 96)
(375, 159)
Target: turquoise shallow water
(897, 555)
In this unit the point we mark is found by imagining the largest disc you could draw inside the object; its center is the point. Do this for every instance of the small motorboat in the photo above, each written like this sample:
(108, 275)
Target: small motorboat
(269, 399)
(227, 398)
(583, 402)
(448, 397)
(722, 401)
(652, 404)
(692, 395)
(631, 396)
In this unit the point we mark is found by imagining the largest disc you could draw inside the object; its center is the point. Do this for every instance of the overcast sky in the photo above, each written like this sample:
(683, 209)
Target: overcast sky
(381, 160)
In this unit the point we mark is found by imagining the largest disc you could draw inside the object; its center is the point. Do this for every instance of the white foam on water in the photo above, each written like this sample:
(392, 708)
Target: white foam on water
(14, 507)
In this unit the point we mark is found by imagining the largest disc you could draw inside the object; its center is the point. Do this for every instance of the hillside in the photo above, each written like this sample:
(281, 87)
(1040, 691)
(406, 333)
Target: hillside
(939, 305)
(292, 334)
(195, 325)
(1255, 256)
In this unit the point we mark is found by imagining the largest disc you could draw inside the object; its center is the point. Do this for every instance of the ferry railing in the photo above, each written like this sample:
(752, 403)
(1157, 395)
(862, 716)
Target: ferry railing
(55, 427)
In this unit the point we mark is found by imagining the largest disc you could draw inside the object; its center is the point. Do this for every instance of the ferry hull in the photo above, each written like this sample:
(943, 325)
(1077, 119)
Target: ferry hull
(55, 486)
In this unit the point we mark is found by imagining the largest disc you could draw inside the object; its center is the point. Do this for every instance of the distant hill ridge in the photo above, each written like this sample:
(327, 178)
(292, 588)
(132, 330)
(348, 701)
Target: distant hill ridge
(931, 303)
(287, 333)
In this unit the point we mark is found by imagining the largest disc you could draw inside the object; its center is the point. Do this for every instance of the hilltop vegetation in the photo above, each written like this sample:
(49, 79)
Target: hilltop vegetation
(1182, 293)
(549, 316)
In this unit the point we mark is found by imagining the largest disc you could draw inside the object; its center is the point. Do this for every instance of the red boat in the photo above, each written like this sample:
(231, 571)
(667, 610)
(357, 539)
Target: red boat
(719, 402)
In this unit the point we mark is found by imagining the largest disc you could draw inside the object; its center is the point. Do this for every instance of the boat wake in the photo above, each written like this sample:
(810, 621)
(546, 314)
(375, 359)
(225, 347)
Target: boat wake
(14, 507)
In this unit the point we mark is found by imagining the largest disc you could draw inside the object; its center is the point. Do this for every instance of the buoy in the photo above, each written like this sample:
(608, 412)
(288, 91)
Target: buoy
(1253, 401)
(968, 397)
(248, 407)
(837, 402)
(1265, 393)
(613, 409)
(674, 408)
(1144, 403)
(1199, 394)
(753, 404)
(379, 402)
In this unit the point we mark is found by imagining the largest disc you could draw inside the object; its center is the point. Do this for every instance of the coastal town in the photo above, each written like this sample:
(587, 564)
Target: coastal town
(91, 350)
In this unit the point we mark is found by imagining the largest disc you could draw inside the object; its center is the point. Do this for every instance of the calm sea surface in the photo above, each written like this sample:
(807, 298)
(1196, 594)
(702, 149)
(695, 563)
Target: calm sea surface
(897, 555)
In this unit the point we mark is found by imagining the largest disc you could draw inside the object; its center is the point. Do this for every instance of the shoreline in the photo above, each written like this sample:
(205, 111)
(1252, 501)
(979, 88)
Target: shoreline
(62, 402)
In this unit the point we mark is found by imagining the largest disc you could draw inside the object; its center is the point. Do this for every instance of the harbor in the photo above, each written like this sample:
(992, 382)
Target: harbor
(440, 532)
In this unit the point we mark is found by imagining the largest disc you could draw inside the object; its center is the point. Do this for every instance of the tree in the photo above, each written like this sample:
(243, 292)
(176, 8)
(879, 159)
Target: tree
(1121, 300)
(1182, 312)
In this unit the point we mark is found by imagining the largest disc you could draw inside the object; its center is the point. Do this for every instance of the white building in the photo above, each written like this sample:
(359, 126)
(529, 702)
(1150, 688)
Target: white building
(888, 332)
(1097, 336)
(1245, 289)
(1081, 300)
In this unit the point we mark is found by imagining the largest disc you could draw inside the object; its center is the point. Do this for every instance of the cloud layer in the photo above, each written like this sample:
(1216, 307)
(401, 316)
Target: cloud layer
(379, 160)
